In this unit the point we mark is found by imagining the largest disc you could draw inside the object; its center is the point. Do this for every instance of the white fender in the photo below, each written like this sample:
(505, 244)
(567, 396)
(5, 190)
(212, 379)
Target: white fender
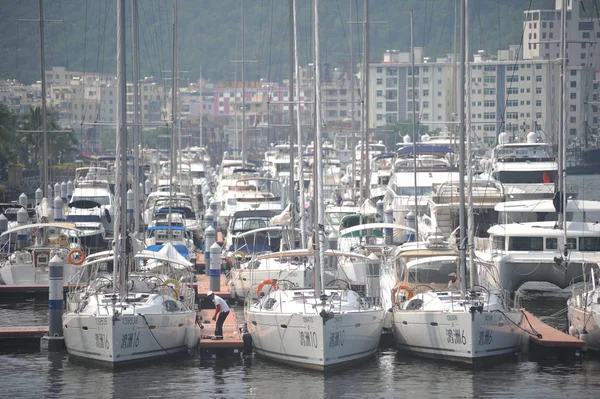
(191, 339)
(583, 335)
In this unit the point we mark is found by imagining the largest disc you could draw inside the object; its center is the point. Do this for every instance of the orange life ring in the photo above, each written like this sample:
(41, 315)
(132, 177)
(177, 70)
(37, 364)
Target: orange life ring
(402, 287)
(75, 261)
(270, 282)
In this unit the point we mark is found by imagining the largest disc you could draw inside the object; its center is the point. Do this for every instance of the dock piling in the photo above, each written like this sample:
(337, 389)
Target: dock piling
(55, 338)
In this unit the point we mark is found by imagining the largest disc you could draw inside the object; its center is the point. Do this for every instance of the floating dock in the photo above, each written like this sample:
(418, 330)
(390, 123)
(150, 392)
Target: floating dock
(547, 341)
(232, 341)
(31, 336)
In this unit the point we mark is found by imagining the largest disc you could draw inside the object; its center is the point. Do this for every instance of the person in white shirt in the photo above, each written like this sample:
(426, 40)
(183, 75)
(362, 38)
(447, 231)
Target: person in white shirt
(221, 313)
(453, 283)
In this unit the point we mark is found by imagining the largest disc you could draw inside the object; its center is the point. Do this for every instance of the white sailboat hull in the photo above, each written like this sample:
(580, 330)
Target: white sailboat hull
(588, 320)
(460, 336)
(126, 339)
(304, 340)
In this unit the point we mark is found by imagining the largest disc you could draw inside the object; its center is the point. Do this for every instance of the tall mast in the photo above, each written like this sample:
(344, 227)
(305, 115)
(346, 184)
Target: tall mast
(301, 209)
(120, 268)
(44, 127)
(201, 106)
(174, 116)
(243, 94)
(470, 221)
(352, 94)
(562, 176)
(292, 196)
(319, 238)
(136, 113)
(461, 142)
(367, 165)
(414, 138)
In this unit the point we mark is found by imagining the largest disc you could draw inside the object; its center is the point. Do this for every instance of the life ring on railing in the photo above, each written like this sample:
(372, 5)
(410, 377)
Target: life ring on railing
(401, 287)
(75, 260)
(175, 287)
(240, 254)
(272, 283)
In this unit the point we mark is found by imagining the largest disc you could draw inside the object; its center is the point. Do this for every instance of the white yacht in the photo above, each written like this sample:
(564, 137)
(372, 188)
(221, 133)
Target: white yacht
(298, 327)
(527, 170)
(28, 260)
(153, 317)
(584, 311)
(93, 190)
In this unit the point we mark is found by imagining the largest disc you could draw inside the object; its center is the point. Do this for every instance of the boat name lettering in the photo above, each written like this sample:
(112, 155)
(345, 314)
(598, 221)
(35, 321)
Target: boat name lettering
(102, 322)
(307, 319)
(308, 338)
(101, 341)
(456, 336)
(485, 337)
(130, 320)
(130, 340)
(452, 317)
(337, 338)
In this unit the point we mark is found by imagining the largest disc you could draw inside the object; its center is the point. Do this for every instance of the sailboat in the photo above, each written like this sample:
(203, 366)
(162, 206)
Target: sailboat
(125, 317)
(322, 327)
(456, 324)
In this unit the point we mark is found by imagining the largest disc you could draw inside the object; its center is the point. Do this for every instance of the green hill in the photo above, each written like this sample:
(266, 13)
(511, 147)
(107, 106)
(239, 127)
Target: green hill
(210, 33)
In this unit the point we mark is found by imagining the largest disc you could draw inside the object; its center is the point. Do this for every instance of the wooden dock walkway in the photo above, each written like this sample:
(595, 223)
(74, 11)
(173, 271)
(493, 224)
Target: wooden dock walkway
(232, 337)
(548, 336)
(22, 332)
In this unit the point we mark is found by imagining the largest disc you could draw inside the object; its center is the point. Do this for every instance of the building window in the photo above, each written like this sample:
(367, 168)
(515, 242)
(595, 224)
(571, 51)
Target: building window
(512, 115)
(425, 92)
(574, 83)
(379, 117)
(573, 108)
(489, 115)
(489, 103)
(538, 115)
(379, 69)
(512, 103)
(512, 90)
(538, 103)
(512, 78)
(538, 90)
(379, 93)
(379, 105)
(489, 68)
(573, 119)
(425, 104)
(573, 96)
(379, 81)
(489, 79)
(489, 92)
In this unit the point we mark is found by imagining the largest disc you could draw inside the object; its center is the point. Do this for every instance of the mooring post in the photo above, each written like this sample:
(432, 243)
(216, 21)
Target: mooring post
(55, 338)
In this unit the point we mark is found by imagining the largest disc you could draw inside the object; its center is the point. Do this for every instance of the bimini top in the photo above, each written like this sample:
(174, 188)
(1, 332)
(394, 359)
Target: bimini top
(384, 155)
(425, 148)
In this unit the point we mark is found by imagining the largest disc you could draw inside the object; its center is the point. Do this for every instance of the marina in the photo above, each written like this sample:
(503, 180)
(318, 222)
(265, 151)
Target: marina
(419, 246)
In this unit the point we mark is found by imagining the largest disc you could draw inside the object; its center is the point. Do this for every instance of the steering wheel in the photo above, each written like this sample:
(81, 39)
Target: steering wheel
(330, 284)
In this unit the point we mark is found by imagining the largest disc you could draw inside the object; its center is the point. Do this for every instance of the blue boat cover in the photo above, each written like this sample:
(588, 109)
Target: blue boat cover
(182, 249)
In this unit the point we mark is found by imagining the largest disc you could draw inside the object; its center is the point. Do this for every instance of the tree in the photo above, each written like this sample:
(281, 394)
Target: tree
(7, 134)
(31, 140)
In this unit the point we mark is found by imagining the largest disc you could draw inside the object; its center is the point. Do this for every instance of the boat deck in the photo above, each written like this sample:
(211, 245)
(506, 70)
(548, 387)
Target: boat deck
(232, 337)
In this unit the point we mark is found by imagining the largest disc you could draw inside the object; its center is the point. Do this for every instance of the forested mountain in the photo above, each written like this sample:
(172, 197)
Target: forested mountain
(210, 33)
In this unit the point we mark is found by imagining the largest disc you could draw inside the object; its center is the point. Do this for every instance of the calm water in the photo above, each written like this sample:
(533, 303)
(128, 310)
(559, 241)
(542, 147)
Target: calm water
(388, 374)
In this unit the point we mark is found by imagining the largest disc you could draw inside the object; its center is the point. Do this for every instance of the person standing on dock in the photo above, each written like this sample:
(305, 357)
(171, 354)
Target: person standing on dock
(221, 310)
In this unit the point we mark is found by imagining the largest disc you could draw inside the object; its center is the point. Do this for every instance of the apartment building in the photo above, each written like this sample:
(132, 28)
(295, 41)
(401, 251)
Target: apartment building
(391, 90)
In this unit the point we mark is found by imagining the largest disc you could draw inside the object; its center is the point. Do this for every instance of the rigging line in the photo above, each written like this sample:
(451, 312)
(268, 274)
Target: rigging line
(160, 38)
(481, 37)
(498, 20)
(514, 65)
(263, 35)
(62, 15)
(149, 58)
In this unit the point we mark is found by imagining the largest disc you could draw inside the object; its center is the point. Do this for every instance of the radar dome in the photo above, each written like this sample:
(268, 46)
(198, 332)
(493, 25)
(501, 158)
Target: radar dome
(406, 139)
(531, 137)
(503, 138)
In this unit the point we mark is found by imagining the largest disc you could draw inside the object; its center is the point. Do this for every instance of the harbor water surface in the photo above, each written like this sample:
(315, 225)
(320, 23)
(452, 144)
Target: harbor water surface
(34, 374)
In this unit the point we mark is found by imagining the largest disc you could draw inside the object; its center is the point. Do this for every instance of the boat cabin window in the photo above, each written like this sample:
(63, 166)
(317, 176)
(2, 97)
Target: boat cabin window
(526, 244)
(498, 242)
(589, 244)
(410, 191)
(524, 177)
(100, 199)
(171, 306)
(552, 243)
(384, 180)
